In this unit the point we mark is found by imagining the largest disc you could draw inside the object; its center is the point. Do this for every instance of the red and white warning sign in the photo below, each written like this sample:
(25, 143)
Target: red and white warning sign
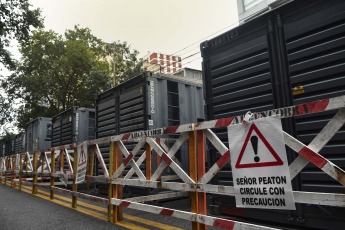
(259, 165)
(82, 161)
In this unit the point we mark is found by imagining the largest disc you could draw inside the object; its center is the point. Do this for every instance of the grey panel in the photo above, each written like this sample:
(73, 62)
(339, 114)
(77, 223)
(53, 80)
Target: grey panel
(39, 134)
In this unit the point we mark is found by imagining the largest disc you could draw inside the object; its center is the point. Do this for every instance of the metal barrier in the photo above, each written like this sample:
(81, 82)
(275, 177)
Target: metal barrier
(195, 181)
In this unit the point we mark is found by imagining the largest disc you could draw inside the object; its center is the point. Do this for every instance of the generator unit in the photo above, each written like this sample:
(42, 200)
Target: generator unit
(148, 101)
(9, 147)
(292, 55)
(2, 149)
(38, 134)
(19, 141)
(73, 125)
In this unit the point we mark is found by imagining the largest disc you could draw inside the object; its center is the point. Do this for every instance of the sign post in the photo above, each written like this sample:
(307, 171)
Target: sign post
(82, 162)
(259, 165)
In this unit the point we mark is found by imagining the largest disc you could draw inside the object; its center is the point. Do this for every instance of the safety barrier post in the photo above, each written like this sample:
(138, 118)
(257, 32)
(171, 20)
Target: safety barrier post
(34, 170)
(74, 187)
(11, 180)
(148, 161)
(42, 162)
(14, 171)
(115, 187)
(110, 187)
(201, 171)
(52, 168)
(6, 167)
(92, 162)
(26, 165)
(20, 171)
(193, 174)
(88, 168)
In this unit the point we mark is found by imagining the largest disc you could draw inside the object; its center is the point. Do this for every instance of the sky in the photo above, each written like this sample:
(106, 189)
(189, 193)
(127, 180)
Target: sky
(173, 27)
(166, 26)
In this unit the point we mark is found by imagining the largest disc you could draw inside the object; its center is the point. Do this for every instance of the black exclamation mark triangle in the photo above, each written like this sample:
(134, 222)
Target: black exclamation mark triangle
(254, 141)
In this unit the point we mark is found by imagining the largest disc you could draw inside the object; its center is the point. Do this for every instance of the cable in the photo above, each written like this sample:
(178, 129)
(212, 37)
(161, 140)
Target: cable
(241, 20)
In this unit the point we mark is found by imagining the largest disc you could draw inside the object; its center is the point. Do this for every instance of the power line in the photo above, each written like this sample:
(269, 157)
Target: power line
(231, 25)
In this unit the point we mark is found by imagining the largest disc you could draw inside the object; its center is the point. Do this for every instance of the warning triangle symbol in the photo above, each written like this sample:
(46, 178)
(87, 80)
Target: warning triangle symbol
(254, 154)
(82, 158)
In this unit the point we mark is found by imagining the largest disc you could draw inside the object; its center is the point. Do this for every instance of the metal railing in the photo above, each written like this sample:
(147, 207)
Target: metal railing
(195, 181)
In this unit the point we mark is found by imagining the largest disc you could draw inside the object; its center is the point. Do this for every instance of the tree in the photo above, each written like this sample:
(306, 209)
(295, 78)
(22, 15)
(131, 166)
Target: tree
(123, 62)
(16, 22)
(57, 73)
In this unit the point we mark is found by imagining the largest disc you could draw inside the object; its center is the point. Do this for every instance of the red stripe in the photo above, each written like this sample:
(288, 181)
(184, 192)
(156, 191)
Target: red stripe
(166, 212)
(124, 204)
(171, 129)
(226, 224)
(312, 107)
(166, 159)
(126, 136)
(126, 161)
(224, 159)
(313, 157)
(224, 122)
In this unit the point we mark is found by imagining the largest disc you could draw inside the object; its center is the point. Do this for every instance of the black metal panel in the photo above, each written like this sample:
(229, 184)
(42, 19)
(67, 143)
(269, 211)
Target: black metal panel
(10, 147)
(316, 54)
(145, 102)
(19, 143)
(73, 125)
(255, 66)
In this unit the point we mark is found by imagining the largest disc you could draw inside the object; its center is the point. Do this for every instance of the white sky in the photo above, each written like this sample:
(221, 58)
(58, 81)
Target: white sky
(165, 26)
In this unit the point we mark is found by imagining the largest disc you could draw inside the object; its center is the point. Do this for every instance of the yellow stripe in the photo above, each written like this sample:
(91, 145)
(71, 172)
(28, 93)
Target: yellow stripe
(127, 216)
(89, 212)
(149, 222)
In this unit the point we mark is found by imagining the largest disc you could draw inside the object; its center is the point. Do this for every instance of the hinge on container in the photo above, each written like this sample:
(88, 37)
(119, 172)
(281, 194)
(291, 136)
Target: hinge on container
(215, 209)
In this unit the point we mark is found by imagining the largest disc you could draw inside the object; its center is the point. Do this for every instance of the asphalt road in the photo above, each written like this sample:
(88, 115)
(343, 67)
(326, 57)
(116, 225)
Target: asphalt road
(22, 210)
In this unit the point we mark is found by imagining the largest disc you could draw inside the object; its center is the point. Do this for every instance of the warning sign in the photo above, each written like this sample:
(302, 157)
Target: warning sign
(82, 159)
(259, 165)
(17, 164)
(63, 177)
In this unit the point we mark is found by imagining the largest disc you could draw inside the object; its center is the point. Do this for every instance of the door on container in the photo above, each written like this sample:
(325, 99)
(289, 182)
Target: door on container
(315, 44)
(243, 72)
(238, 77)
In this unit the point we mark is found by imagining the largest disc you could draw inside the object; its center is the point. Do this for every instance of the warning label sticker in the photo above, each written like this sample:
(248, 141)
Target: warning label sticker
(259, 165)
(82, 159)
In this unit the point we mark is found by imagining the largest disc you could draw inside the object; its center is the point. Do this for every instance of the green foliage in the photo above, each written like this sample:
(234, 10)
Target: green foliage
(7, 136)
(123, 62)
(16, 21)
(57, 73)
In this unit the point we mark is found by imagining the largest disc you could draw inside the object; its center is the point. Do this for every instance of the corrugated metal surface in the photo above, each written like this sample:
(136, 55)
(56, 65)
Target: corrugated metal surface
(20, 143)
(255, 66)
(2, 149)
(147, 102)
(38, 134)
(316, 54)
(73, 125)
(9, 147)
(238, 77)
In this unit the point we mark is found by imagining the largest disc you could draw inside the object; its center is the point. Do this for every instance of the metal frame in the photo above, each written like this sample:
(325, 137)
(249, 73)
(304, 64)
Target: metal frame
(196, 185)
